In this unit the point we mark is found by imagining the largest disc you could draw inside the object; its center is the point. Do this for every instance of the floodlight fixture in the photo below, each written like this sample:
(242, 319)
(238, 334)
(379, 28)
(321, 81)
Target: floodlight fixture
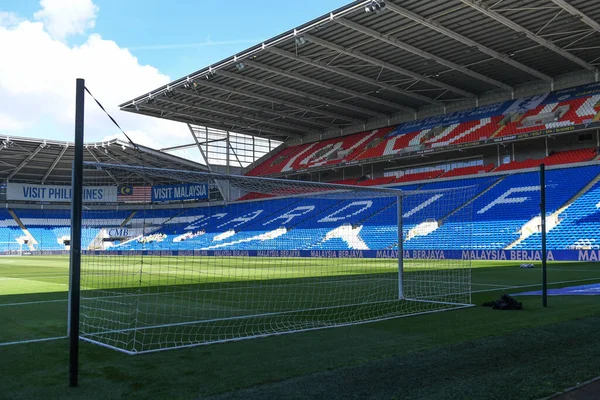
(300, 40)
(375, 6)
(240, 66)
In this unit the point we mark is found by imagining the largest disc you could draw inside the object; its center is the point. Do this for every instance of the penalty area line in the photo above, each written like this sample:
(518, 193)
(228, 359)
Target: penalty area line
(33, 341)
(33, 302)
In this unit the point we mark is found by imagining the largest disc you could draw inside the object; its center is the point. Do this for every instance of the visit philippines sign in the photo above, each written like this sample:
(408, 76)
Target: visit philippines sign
(59, 194)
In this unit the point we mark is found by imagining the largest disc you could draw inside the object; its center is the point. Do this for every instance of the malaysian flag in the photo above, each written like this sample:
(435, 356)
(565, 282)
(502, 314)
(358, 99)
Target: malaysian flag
(134, 194)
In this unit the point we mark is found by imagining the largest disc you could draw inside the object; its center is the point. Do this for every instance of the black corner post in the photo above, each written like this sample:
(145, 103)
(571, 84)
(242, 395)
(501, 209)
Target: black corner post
(543, 223)
(76, 214)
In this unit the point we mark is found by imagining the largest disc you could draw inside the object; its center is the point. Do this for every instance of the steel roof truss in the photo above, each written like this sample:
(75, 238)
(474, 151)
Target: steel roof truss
(95, 157)
(25, 161)
(325, 85)
(383, 64)
(223, 121)
(575, 12)
(272, 100)
(436, 26)
(532, 36)
(352, 75)
(226, 113)
(299, 93)
(421, 53)
(56, 161)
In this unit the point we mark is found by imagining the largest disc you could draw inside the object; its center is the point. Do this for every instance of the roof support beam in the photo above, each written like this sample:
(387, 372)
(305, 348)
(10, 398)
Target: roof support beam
(352, 109)
(58, 158)
(95, 157)
(193, 120)
(258, 109)
(247, 117)
(436, 26)
(421, 53)
(25, 161)
(231, 124)
(352, 75)
(380, 63)
(269, 99)
(532, 36)
(573, 11)
(325, 85)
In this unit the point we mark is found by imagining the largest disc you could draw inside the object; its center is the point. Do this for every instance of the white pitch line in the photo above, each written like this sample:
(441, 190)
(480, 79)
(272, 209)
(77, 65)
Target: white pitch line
(537, 284)
(32, 302)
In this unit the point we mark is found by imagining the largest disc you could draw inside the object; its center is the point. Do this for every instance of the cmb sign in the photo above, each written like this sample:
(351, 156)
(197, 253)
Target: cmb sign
(59, 194)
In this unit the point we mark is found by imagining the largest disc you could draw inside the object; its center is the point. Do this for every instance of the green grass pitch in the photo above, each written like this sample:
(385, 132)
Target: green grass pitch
(467, 353)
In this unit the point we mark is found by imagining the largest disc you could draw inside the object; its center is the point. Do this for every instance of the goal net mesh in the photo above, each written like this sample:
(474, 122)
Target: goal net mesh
(190, 258)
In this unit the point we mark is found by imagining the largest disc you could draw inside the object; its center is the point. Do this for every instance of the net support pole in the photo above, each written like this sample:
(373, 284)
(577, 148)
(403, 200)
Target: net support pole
(543, 226)
(400, 248)
(75, 252)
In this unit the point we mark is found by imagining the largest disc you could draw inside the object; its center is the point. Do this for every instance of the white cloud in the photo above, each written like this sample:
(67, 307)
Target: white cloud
(63, 18)
(9, 19)
(37, 86)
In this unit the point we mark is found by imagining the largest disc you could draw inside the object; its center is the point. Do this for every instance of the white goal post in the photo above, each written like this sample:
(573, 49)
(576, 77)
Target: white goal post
(190, 266)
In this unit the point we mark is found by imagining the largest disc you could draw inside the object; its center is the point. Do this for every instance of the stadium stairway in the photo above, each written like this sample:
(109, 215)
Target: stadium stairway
(32, 241)
(499, 181)
(126, 221)
(553, 220)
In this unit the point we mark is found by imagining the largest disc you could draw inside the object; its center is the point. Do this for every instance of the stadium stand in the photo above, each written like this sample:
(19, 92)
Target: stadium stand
(508, 119)
(502, 205)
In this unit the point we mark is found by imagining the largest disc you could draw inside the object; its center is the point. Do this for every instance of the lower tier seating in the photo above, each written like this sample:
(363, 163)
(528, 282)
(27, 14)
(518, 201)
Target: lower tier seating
(469, 213)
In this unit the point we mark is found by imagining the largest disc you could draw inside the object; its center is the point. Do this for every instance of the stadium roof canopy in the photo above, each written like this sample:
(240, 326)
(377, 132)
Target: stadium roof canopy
(351, 68)
(44, 161)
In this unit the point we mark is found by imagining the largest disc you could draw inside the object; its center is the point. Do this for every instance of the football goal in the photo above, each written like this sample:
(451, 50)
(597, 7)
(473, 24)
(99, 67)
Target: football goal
(184, 258)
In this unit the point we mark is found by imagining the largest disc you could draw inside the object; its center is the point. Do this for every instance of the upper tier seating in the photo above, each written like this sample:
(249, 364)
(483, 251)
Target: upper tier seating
(562, 157)
(474, 170)
(555, 110)
(419, 176)
(385, 180)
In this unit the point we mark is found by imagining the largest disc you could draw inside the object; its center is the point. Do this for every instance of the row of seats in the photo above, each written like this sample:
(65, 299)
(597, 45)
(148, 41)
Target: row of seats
(569, 107)
(558, 158)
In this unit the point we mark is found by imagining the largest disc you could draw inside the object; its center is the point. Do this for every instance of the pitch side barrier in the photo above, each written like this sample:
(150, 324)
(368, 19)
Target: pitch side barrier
(476, 255)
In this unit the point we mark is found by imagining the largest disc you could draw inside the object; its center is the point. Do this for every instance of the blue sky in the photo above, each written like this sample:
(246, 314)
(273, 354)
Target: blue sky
(123, 48)
(144, 26)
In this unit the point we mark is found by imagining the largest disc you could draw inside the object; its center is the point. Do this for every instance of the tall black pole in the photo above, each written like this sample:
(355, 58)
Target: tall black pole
(76, 213)
(544, 250)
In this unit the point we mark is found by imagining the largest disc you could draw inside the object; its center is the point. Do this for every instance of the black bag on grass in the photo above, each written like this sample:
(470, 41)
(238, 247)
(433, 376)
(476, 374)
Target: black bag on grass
(506, 302)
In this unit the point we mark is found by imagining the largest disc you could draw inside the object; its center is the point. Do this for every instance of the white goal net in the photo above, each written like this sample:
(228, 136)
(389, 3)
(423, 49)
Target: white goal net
(188, 258)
